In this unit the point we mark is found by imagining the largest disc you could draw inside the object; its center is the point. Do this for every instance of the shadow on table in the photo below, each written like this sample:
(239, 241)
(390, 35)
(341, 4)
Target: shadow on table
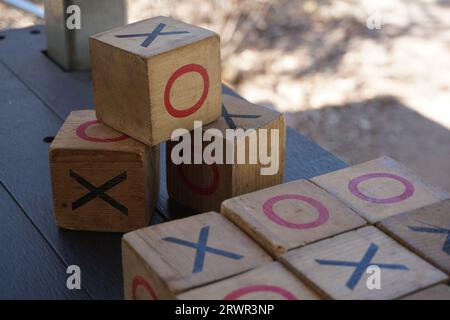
(366, 129)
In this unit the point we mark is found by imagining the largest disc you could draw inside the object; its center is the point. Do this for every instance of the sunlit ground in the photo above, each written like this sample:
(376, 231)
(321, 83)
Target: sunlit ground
(359, 92)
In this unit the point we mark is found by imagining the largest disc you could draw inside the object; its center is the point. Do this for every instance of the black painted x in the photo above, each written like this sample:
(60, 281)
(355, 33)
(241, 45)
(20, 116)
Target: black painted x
(229, 117)
(150, 37)
(99, 192)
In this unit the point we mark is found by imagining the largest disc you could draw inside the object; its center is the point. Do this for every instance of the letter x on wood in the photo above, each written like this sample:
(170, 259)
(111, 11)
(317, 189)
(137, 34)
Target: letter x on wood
(99, 192)
(202, 248)
(229, 117)
(362, 265)
(435, 229)
(150, 37)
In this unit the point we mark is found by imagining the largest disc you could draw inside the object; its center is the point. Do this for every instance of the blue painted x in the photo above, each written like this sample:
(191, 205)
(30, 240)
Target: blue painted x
(361, 266)
(439, 230)
(150, 37)
(202, 248)
(229, 117)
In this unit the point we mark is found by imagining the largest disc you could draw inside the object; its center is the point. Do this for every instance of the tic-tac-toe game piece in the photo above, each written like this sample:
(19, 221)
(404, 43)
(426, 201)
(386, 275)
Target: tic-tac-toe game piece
(154, 76)
(164, 260)
(426, 231)
(362, 264)
(439, 292)
(269, 282)
(380, 188)
(290, 215)
(102, 180)
(204, 186)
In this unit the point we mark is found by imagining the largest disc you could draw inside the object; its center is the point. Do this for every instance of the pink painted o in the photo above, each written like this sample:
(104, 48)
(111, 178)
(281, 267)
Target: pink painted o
(258, 288)
(81, 133)
(272, 215)
(354, 184)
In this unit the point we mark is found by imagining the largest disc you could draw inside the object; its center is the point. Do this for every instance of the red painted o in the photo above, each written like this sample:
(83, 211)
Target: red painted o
(178, 73)
(139, 281)
(204, 191)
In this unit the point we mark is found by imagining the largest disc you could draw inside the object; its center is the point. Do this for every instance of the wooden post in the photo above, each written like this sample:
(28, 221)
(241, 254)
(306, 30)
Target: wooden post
(70, 48)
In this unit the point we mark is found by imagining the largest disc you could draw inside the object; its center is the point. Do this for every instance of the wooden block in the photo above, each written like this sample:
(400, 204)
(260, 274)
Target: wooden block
(269, 282)
(162, 261)
(338, 267)
(426, 231)
(102, 180)
(154, 76)
(380, 188)
(439, 292)
(290, 215)
(203, 187)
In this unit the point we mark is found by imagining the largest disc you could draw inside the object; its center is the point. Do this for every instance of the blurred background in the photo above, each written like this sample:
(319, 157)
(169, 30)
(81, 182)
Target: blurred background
(361, 78)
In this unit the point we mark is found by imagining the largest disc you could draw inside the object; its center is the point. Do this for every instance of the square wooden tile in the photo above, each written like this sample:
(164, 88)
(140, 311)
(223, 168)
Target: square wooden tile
(380, 188)
(439, 292)
(162, 261)
(339, 267)
(290, 215)
(426, 231)
(269, 282)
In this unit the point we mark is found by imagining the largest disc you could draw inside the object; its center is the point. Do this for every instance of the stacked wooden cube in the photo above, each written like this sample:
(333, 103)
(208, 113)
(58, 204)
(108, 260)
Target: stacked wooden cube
(305, 239)
(150, 78)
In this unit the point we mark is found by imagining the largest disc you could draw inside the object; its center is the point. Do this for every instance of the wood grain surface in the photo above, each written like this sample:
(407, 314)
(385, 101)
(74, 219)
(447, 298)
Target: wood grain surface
(380, 188)
(269, 282)
(187, 253)
(148, 82)
(331, 266)
(204, 187)
(290, 215)
(426, 231)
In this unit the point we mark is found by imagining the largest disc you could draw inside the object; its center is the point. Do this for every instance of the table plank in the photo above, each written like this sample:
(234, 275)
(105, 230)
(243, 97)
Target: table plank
(22, 52)
(24, 171)
(29, 267)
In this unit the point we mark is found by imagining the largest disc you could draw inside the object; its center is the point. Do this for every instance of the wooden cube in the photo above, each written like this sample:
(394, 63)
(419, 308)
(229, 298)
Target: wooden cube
(344, 267)
(269, 282)
(380, 188)
(102, 180)
(290, 215)
(164, 260)
(204, 186)
(439, 292)
(154, 76)
(426, 231)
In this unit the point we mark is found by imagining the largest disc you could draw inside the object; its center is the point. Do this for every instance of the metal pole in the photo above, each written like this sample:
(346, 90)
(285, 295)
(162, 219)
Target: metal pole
(26, 6)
